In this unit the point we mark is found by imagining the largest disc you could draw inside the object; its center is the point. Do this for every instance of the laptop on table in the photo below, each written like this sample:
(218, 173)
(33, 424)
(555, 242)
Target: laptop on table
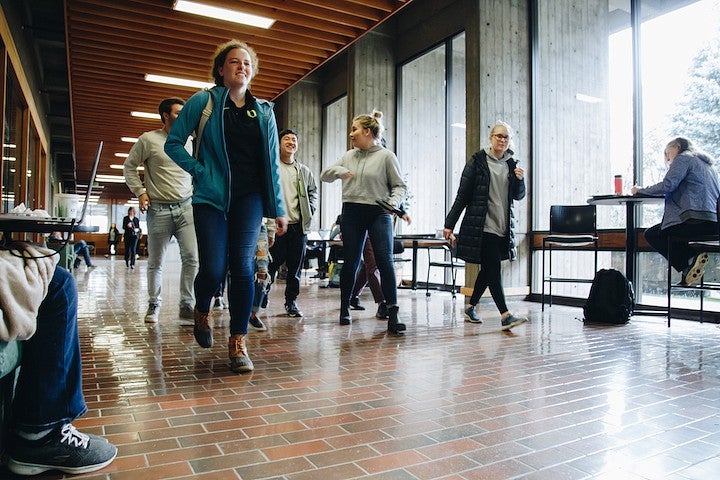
(23, 222)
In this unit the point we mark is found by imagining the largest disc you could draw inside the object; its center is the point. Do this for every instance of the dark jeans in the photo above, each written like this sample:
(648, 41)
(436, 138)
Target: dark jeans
(228, 239)
(130, 250)
(49, 388)
(490, 273)
(357, 221)
(82, 249)
(289, 249)
(681, 251)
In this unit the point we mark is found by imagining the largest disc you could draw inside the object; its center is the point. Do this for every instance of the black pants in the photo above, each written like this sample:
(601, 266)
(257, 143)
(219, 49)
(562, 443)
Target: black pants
(681, 251)
(490, 273)
(290, 250)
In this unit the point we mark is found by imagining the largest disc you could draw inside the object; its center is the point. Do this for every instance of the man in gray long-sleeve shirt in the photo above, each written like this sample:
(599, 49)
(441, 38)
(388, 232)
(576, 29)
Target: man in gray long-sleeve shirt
(165, 195)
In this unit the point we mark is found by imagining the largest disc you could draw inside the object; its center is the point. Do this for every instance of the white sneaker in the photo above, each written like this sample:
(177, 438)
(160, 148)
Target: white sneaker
(219, 304)
(152, 314)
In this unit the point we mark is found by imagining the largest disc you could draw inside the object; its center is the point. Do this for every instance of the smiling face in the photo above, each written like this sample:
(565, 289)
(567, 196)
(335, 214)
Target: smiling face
(361, 137)
(288, 145)
(237, 70)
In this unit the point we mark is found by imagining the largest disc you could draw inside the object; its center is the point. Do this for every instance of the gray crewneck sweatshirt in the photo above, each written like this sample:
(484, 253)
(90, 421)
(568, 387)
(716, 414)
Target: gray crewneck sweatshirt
(376, 176)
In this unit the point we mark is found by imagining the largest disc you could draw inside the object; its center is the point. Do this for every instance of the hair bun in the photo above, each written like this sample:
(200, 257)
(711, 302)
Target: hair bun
(377, 114)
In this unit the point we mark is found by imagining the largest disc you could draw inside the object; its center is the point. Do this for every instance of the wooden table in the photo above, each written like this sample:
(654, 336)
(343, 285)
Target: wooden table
(416, 242)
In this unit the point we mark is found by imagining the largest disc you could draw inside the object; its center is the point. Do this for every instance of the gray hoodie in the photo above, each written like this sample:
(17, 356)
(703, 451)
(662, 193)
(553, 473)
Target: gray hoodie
(376, 176)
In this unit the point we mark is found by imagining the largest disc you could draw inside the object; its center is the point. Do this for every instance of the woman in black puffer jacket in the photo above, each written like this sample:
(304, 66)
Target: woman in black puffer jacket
(490, 182)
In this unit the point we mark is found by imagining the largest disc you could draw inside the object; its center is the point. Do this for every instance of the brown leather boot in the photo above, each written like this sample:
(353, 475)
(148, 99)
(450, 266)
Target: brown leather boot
(237, 351)
(202, 329)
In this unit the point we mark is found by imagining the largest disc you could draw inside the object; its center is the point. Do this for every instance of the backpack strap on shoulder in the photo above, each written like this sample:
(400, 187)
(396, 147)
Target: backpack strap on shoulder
(207, 111)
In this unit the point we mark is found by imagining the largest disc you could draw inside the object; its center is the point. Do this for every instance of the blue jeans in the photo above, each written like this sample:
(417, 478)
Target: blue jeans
(165, 221)
(262, 277)
(49, 388)
(228, 239)
(81, 248)
(357, 220)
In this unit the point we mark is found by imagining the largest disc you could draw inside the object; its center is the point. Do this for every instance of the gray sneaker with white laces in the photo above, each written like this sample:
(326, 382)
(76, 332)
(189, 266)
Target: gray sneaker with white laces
(152, 314)
(64, 449)
(511, 321)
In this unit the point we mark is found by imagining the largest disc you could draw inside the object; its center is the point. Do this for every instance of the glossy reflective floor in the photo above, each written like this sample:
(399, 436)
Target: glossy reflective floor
(554, 399)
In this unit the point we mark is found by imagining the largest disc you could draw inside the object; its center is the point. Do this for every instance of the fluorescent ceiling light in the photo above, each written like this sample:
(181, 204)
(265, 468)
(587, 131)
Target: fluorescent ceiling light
(182, 82)
(129, 139)
(9, 145)
(110, 178)
(153, 116)
(223, 14)
(9, 159)
(122, 155)
(122, 167)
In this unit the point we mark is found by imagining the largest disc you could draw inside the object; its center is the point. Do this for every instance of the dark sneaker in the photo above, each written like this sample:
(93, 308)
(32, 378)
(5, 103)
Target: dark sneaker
(382, 311)
(292, 309)
(472, 316)
(257, 324)
(219, 304)
(512, 321)
(187, 316)
(695, 271)
(153, 311)
(355, 304)
(64, 449)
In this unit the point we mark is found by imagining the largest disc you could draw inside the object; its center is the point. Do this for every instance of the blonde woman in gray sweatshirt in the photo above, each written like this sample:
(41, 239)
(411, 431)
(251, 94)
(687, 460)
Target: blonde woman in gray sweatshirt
(369, 173)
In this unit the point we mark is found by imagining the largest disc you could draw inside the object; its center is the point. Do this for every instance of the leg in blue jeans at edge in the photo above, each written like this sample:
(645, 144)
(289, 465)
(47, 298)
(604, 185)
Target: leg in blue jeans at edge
(48, 394)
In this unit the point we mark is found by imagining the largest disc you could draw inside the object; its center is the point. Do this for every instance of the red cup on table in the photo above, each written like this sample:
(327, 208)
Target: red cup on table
(618, 185)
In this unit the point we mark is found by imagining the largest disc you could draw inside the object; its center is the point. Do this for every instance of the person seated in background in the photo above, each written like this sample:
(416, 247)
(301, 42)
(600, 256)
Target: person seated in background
(691, 192)
(40, 307)
(80, 248)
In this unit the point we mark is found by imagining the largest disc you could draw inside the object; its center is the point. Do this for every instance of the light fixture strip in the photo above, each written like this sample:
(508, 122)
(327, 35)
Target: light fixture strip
(223, 14)
(180, 82)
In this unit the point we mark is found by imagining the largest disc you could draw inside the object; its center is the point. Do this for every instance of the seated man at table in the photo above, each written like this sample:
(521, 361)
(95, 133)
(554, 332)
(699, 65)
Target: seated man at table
(39, 305)
(691, 192)
(81, 249)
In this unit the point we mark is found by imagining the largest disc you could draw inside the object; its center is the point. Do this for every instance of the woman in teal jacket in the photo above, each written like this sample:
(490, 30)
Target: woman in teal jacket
(236, 182)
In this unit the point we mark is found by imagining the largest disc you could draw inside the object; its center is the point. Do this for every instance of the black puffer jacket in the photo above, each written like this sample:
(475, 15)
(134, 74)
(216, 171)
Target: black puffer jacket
(473, 194)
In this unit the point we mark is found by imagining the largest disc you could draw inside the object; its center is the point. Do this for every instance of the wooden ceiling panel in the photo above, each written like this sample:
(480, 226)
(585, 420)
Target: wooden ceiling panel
(112, 44)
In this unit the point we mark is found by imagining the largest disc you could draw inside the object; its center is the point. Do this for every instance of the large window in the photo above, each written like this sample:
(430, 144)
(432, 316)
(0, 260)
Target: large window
(431, 137)
(589, 125)
(335, 144)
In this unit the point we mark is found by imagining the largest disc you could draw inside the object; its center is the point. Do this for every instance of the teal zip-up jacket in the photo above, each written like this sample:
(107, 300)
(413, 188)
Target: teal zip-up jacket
(211, 173)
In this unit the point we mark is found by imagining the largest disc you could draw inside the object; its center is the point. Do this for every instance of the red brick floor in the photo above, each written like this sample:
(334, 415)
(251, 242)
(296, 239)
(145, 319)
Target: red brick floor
(553, 399)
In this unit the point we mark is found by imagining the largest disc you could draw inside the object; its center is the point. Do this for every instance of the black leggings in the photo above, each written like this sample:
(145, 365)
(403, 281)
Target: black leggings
(490, 274)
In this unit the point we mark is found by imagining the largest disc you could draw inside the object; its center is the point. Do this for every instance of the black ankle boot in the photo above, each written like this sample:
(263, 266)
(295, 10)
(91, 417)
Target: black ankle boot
(355, 304)
(345, 317)
(394, 326)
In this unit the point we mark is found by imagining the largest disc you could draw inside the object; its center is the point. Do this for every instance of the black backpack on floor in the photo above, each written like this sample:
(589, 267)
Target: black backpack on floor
(611, 298)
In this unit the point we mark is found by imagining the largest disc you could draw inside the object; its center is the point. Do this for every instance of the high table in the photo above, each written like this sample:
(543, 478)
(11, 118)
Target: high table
(631, 202)
(417, 241)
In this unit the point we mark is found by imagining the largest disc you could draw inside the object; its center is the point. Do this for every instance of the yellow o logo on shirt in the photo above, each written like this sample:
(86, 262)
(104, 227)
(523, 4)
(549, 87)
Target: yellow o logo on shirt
(252, 113)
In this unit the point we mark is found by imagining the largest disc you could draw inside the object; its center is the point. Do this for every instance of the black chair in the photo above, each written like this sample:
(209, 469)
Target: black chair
(571, 227)
(451, 263)
(701, 244)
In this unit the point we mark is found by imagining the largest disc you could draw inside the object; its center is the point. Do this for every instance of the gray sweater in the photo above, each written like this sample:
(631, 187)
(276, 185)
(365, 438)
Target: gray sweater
(376, 176)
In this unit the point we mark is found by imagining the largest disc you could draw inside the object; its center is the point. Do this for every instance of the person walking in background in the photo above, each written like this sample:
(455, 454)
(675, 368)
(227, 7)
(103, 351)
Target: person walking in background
(113, 239)
(490, 182)
(691, 193)
(266, 239)
(301, 195)
(131, 235)
(165, 195)
(369, 172)
(237, 183)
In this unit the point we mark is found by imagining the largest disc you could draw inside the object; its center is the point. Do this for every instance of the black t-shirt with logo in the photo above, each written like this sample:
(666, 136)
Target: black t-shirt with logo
(243, 141)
